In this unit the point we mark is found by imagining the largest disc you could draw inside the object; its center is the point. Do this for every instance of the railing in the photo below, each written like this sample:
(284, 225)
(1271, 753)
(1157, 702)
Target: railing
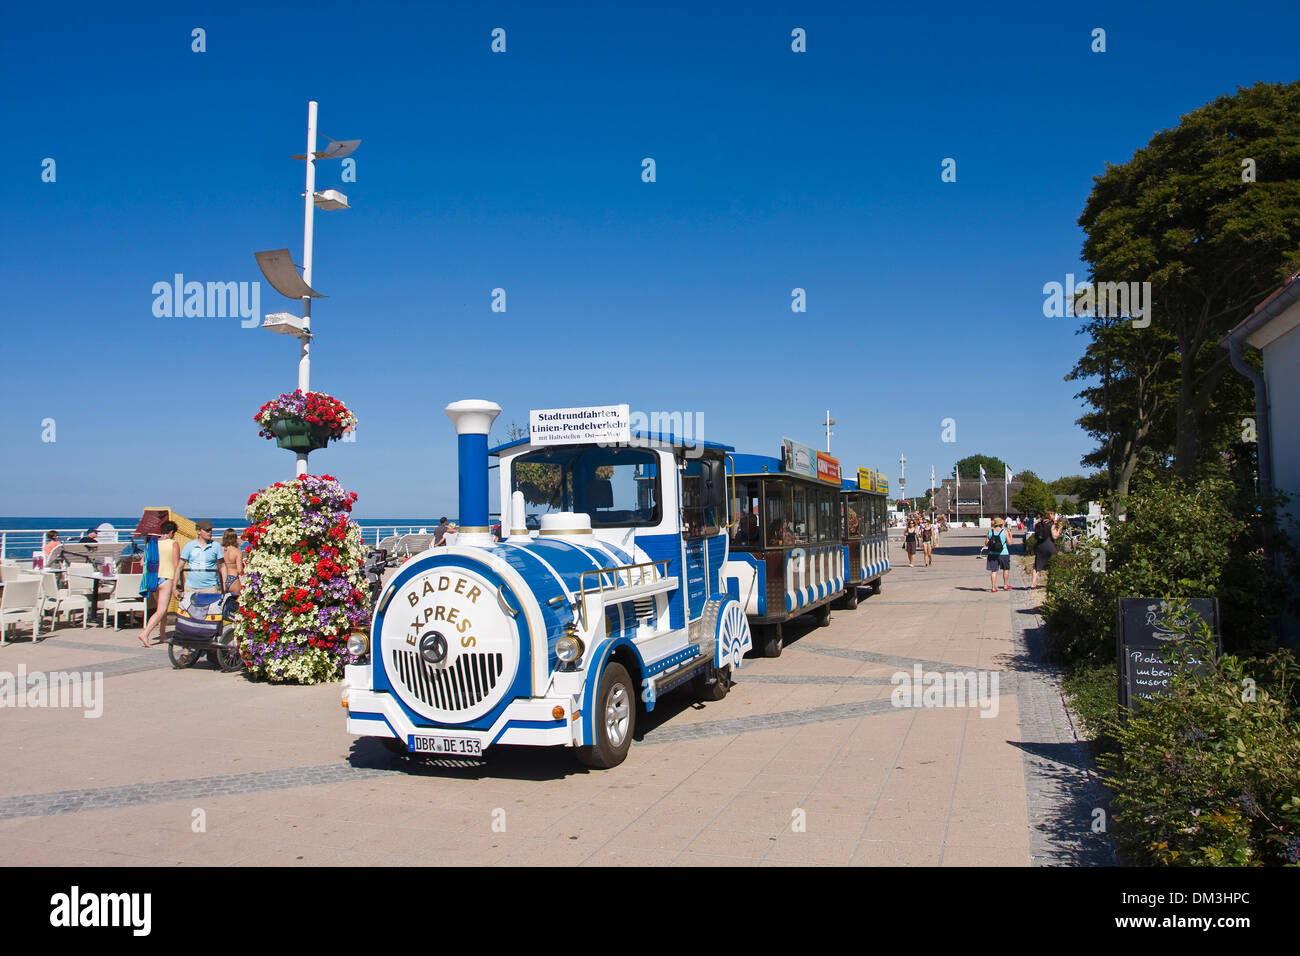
(628, 590)
(19, 543)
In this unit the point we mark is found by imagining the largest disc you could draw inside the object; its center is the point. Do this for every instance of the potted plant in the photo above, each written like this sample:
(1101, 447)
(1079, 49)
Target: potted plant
(304, 421)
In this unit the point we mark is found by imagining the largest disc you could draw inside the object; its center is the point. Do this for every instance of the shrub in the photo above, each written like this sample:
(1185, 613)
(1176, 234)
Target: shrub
(1179, 540)
(1209, 773)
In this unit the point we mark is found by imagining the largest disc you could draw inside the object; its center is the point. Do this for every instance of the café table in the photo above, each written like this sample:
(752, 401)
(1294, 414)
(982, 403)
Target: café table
(96, 577)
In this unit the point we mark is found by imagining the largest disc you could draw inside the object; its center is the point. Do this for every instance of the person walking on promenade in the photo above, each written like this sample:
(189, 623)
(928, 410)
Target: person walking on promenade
(909, 542)
(202, 559)
(232, 561)
(999, 547)
(169, 560)
(927, 539)
(1046, 531)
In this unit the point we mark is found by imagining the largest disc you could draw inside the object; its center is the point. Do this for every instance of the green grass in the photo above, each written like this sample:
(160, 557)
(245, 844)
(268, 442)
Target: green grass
(1093, 695)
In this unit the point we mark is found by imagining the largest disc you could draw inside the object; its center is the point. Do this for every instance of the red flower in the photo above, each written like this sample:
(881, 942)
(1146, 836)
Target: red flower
(296, 558)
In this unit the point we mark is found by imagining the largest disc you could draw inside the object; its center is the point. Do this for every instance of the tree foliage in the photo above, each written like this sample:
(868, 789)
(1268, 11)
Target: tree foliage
(1181, 216)
(969, 467)
(1034, 497)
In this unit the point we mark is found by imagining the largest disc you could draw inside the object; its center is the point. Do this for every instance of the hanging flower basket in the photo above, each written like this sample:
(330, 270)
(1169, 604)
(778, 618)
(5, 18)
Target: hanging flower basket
(304, 421)
(298, 435)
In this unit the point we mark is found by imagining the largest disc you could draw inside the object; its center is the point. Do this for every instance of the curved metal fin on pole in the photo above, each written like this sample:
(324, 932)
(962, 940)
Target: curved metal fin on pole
(278, 267)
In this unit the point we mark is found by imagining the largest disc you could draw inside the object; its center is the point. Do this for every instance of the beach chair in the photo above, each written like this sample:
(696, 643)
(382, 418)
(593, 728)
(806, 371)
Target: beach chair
(126, 597)
(18, 603)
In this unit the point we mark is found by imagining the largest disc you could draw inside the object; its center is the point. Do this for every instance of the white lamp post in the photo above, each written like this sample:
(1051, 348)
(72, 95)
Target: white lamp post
(279, 269)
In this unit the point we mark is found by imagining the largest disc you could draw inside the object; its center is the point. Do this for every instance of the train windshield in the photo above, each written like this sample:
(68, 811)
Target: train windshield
(616, 487)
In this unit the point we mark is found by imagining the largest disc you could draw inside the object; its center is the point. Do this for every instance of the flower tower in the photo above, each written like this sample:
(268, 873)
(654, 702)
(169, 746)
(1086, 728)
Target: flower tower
(305, 589)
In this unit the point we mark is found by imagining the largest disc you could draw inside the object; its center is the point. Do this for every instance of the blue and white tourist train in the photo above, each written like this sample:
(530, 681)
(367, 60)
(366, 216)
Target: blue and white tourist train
(551, 638)
(802, 539)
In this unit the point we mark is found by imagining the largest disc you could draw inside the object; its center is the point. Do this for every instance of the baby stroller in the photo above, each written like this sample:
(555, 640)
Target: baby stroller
(206, 625)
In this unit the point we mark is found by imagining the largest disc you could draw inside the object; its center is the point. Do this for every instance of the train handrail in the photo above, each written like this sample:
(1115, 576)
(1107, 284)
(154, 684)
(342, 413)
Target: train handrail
(640, 567)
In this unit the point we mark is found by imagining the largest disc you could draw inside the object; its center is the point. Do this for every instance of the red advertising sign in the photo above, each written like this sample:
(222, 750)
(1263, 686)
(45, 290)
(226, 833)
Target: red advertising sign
(828, 468)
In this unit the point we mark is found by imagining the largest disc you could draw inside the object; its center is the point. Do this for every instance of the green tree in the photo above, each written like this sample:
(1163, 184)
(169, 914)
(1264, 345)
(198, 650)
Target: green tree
(969, 467)
(1033, 498)
(1209, 213)
(1069, 485)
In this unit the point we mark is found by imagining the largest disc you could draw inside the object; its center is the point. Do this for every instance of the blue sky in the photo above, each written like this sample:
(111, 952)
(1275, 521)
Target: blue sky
(522, 171)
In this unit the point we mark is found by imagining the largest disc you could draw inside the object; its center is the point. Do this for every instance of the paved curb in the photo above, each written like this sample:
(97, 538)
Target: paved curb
(1062, 786)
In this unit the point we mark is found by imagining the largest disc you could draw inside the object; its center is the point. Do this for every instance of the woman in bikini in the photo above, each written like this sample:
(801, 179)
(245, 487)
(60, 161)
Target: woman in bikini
(232, 561)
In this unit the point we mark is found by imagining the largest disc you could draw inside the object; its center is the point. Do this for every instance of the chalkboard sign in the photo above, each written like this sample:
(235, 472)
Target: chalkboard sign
(1143, 645)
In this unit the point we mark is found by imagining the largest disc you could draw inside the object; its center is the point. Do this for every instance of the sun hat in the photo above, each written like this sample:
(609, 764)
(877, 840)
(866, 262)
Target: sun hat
(203, 524)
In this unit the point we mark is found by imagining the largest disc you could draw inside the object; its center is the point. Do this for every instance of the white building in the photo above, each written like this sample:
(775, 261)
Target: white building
(1274, 329)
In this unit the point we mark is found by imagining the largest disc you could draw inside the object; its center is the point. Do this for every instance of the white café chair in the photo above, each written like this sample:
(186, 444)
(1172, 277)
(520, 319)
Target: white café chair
(126, 597)
(50, 593)
(76, 597)
(18, 603)
(16, 572)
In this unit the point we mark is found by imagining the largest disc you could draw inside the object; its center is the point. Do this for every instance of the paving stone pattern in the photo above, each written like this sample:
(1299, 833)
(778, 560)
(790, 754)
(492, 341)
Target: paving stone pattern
(805, 762)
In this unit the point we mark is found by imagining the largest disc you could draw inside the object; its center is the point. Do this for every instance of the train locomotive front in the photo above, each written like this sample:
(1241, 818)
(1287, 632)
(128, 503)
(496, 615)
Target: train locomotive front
(553, 637)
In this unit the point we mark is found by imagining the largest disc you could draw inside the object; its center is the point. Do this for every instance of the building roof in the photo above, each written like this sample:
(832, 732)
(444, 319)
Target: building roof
(1273, 317)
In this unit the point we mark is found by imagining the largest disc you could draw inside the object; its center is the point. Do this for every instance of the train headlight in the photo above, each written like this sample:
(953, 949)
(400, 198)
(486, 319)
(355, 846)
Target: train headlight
(358, 644)
(569, 648)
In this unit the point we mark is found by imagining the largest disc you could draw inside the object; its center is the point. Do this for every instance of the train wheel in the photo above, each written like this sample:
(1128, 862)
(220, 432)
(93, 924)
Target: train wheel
(823, 614)
(715, 689)
(877, 585)
(615, 719)
(772, 640)
(182, 656)
(851, 597)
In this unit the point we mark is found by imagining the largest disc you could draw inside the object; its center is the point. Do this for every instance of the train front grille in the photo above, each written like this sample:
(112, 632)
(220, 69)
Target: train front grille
(459, 686)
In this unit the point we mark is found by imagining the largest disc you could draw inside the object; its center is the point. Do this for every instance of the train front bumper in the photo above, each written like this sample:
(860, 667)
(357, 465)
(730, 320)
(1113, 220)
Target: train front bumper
(526, 721)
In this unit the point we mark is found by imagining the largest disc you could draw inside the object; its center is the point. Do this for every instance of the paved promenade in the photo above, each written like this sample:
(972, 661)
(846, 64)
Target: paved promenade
(807, 761)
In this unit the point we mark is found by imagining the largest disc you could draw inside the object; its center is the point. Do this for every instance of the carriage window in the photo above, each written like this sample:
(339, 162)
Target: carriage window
(617, 487)
(704, 496)
(780, 507)
(853, 517)
(745, 532)
(801, 515)
(828, 528)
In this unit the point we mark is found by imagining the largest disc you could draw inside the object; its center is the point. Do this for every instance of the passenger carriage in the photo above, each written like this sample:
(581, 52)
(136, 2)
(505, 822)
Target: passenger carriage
(787, 554)
(552, 638)
(864, 506)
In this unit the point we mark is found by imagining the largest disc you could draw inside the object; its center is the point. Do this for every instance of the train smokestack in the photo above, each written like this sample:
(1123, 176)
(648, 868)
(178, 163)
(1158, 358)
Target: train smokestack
(473, 419)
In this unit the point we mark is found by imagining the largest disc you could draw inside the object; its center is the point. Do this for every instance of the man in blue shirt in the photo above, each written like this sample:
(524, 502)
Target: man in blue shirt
(202, 559)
